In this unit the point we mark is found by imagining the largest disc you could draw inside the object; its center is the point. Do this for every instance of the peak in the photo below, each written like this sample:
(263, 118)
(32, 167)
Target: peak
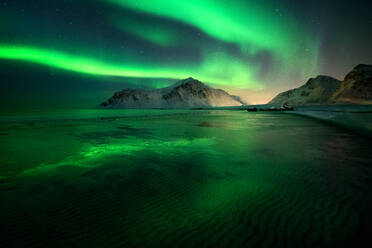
(360, 71)
(323, 77)
(320, 78)
(189, 79)
(363, 67)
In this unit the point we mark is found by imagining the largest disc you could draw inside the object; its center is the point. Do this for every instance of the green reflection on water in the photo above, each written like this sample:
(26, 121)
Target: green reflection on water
(188, 178)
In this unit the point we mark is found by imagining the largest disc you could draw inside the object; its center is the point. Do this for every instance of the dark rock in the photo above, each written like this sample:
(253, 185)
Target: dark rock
(356, 87)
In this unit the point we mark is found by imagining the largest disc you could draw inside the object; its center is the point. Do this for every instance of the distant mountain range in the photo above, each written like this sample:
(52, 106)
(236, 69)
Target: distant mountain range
(355, 88)
(187, 93)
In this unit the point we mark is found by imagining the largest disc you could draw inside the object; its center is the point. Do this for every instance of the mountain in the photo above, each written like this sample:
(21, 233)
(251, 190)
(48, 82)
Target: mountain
(315, 91)
(187, 93)
(356, 87)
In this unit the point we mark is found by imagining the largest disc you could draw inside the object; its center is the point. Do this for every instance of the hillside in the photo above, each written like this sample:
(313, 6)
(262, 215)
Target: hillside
(187, 93)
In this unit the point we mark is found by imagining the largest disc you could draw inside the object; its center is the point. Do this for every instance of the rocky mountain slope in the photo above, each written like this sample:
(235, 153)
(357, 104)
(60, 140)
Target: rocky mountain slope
(355, 88)
(316, 90)
(187, 93)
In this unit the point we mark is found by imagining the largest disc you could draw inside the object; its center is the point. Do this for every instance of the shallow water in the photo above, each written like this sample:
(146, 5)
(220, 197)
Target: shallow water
(181, 178)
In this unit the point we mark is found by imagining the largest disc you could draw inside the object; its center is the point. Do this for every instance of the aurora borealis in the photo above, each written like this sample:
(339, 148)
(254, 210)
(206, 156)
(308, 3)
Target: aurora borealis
(250, 48)
(106, 141)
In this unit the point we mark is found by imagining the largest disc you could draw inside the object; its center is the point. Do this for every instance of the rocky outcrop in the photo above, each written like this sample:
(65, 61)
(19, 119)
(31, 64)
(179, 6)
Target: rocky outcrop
(187, 93)
(316, 91)
(356, 87)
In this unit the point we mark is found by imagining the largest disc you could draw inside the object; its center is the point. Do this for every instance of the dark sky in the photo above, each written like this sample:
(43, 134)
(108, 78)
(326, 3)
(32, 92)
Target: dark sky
(75, 53)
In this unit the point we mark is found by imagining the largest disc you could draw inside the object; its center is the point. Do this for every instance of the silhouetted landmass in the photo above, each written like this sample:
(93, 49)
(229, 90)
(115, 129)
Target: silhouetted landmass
(355, 88)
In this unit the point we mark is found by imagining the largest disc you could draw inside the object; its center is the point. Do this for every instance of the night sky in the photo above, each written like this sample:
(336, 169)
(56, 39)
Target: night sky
(76, 53)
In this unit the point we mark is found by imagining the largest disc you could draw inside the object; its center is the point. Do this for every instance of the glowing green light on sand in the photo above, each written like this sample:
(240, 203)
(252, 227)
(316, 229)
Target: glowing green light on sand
(93, 155)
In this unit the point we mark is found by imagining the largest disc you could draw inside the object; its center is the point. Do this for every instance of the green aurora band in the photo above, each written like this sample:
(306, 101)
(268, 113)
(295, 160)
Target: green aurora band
(250, 25)
(232, 21)
(209, 71)
(159, 34)
(252, 28)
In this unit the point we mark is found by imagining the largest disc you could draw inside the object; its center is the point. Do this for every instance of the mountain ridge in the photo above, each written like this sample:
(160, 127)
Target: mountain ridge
(186, 93)
(355, 88)
(315, 90)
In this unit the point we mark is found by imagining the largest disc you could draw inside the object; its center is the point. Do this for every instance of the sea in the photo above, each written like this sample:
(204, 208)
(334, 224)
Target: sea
(186, 178)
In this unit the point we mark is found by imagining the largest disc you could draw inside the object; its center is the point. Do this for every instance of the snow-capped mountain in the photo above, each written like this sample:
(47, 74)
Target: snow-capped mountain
(187, 93)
